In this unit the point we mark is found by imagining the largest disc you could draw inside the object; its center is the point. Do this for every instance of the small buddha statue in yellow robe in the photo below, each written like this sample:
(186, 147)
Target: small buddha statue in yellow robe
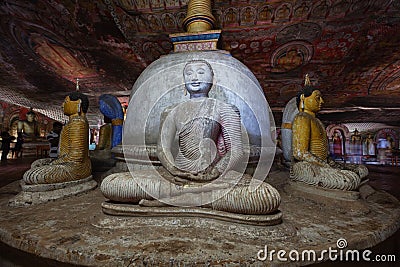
(311, 164)
(73, 162)
(105, 135)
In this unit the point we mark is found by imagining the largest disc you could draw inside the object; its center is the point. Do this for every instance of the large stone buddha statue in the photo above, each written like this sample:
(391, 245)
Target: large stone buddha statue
(73, 162)
(310, 149)
(199, 146)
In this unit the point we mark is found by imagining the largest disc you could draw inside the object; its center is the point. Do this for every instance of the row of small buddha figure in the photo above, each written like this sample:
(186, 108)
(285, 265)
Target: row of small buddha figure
(362, 147)
(355, 146)
(28, 131)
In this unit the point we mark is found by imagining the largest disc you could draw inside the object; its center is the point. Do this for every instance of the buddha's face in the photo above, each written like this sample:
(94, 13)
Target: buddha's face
(30, 117)
(314, 102)
(71, 107)
(198, 78)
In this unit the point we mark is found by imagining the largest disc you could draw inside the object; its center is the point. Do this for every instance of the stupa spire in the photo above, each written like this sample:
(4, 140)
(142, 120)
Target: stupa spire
(199, 17)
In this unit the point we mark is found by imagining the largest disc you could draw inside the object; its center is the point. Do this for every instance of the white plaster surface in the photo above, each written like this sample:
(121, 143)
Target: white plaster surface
(289, 113)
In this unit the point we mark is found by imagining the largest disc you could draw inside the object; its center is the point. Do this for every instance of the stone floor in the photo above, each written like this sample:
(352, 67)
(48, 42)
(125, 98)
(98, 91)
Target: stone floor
(76, 231)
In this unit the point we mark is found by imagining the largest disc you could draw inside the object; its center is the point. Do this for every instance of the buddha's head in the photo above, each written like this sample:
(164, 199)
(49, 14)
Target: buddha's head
(30, 116)
(198, 76)
(309, 99)
(75, 103)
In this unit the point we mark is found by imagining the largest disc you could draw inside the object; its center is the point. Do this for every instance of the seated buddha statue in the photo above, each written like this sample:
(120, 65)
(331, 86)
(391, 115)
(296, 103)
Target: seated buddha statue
(101, 156)
(110, 133)
(73, 162)
(111, 108)
(370, 144)
(105, 135)
(29, 129)
(199, 146)
(310, 148)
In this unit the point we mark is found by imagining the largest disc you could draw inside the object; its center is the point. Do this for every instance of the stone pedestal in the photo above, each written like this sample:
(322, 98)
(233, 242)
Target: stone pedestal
(42, 193)
(182, 212)
(76, 231)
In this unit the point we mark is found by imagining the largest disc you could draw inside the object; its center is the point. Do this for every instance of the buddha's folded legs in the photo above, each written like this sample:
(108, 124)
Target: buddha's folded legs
(360, 169)
(122, 187)
(241, 199)
(41, 162)
(327, 177)
(58, 173)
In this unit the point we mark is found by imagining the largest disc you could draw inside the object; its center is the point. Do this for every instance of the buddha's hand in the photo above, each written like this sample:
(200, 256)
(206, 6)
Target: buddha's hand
(208, 174)
(214, 173)
(177, 172)
(334, 164)
(361, 170)
(325, 165)
(180, 181)
(171, 168)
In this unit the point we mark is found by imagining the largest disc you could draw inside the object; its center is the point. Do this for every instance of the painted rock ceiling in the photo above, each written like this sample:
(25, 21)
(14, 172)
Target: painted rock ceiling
(350, 48)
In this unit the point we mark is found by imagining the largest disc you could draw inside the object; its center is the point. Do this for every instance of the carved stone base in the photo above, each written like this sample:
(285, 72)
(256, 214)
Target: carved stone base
(76, 231)
(139, 211)
(346, 200)
(42, 193)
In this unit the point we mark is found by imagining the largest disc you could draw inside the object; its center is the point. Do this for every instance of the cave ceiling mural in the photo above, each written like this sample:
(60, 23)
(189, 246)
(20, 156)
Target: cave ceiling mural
(350, 48)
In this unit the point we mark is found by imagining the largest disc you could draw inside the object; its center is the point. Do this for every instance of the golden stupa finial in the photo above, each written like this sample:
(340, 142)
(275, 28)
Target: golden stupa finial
(77, 84)
(199, 17)
(307, 81)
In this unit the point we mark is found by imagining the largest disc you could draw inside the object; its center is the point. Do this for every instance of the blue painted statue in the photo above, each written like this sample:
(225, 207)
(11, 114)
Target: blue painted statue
(112, 109)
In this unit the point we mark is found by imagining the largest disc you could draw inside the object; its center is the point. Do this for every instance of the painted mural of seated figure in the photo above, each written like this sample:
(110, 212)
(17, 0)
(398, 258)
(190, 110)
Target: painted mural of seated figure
(200, 142)
(310, 149)
(73, 162)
